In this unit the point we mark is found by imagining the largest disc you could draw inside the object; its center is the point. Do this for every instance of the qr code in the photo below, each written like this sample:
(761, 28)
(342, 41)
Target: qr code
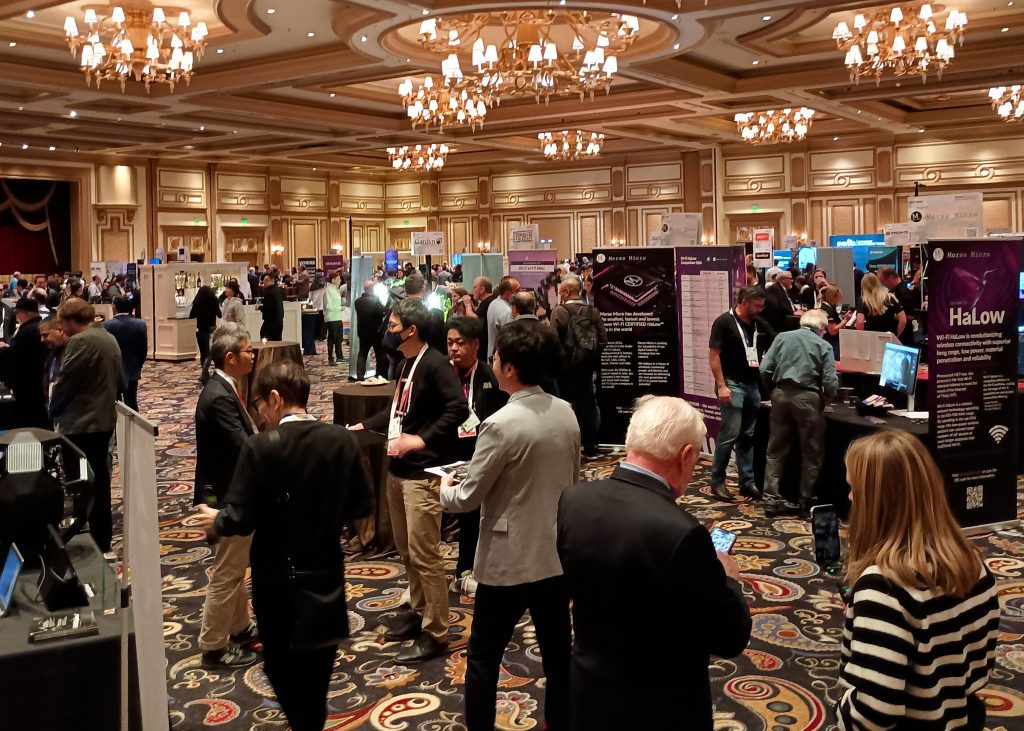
(974, 497)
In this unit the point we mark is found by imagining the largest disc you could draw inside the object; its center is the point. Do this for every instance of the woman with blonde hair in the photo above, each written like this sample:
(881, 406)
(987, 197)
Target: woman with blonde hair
(831, 299)
(923, 615)
(879, 310)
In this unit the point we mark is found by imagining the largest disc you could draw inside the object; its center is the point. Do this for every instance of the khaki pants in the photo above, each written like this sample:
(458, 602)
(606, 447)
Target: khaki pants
(415, 507)
(226, 609)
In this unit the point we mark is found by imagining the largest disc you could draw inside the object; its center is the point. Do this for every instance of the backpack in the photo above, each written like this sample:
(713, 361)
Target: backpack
(581, 346)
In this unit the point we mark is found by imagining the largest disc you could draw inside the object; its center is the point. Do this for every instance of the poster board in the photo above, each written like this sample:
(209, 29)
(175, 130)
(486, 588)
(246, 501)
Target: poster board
(427, 243)
(951, 216)
(896, 234)
(524, 237)
(309, 262)
(678, 229)
(533, 269)
(764, 248)
(362, 270)
(838, 266)
(848, 240)
(634, 289)
(333, 262)
(972, 385)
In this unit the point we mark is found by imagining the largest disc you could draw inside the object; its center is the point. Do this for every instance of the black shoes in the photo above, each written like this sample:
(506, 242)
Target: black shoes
(248, 636)
(751, 491)
(229, 657)
(720, 492)
(408, 626)
(781, 507)
(805, 508)
(426, 647)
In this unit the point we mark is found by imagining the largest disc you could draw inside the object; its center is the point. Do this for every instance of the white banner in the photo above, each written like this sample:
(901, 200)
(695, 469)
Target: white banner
(952, 216)
(897, 234)
(428, 243)
(680, 229)
(524, 237)
(764, 247)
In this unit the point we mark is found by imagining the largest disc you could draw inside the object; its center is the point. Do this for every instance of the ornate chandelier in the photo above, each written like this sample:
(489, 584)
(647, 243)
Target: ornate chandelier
(775, 125)
(1008, 101)
(527, 60)
(441, 105)
(904, 42)
(419, 158)
(571, 144)
(134, 43)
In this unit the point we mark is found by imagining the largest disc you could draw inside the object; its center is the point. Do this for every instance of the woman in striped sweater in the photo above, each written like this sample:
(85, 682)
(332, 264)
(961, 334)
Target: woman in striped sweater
(923, 615)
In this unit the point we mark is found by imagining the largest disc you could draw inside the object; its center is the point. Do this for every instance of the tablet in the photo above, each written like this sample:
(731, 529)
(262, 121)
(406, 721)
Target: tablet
(9, 577)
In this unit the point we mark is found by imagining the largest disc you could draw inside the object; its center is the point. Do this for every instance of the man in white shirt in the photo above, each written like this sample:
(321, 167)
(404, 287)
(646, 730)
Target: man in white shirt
(500, 311)
(95, 288)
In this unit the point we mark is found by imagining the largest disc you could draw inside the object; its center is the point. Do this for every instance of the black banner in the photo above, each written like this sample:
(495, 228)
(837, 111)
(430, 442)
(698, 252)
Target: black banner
(635, 291)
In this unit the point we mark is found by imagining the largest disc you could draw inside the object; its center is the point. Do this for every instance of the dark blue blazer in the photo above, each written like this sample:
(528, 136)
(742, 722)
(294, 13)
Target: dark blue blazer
(130, 334)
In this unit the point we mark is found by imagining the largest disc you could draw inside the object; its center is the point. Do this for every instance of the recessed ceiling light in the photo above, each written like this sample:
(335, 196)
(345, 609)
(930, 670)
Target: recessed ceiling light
(271, 11)
(676, 46)
(234, 131)
(220, 50)
(333, 94)
(118, 119)
(314, 170)
(1005, 30)
(755, 62)
(425, 12)
(408, 60)
(766, 18)
(357, 168)
(24, 147)
(835, 139)
(859, 111)
(72, 114)
(30, 14)
(190, 147)
(12, 44)
(310, 34)
(921, 130)
(52, 148)
(21, 109)
(203, 128)
(1009, 4)
(363, 39)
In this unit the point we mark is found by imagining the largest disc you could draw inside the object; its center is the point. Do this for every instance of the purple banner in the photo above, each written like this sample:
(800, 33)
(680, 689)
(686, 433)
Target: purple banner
(635, 293)
(532, 267)
(333, 262)
(972, 351)
(708, 278)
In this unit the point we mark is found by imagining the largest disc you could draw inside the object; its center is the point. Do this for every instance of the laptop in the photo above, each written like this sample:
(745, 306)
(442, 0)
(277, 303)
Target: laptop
(9, 578)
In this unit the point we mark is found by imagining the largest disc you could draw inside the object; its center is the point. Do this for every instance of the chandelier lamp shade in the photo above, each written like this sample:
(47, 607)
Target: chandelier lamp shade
(441, 104)
(905, 42)
(1008, 101)
(419, 158)
(134, 43)
(774, 126)
(569, 145)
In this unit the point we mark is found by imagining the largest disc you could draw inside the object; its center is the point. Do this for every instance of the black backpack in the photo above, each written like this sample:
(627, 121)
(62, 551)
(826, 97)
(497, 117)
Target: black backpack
(581, 345)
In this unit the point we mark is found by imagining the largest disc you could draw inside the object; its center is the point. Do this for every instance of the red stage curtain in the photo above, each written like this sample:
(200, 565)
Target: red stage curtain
(34, 204)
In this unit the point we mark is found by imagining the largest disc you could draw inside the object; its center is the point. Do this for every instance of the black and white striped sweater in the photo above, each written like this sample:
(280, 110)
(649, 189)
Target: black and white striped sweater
(911, 658)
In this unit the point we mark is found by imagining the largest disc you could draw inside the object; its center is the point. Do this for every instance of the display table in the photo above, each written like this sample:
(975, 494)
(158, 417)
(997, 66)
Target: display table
(309, 320)
(70, 683)
(352, 404)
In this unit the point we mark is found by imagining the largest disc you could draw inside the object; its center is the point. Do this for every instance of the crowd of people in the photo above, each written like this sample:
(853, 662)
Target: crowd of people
(505, 382)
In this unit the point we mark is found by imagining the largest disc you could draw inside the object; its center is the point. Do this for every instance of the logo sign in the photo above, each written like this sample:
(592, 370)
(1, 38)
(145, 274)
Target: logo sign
(897, 234)
(428, 243)
(764, 244)
(524, 237)
(633, 280)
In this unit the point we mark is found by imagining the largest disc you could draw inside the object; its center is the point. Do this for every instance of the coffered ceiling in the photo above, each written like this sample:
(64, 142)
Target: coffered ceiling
(314, 83)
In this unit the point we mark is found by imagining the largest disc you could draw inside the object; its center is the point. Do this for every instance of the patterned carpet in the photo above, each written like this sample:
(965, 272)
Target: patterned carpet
(784, 680)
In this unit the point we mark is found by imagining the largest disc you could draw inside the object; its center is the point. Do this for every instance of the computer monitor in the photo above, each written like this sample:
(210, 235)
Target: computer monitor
(899, 368)
(9, 577)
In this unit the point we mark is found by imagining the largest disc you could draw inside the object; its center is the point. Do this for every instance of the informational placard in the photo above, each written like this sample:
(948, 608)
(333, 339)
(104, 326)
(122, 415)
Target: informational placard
(634, 290)
(764, 248)
(428, 243)
(972, 352)
(952, 216)
(308, 262)
(333, 262)
(896, 234)
(847, 240)
(708, 278)
(533, 268)
(678, 229)
(524, 237)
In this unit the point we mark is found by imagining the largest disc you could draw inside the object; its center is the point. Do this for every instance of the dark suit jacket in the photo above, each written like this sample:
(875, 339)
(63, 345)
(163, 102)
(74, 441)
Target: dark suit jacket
(272, 307)
(21, 368)
(690, 606)
(776, 306)
(487, 399)
(295, 487)
(83, 398)
(222, 426)
(369, 316)
(132, 338)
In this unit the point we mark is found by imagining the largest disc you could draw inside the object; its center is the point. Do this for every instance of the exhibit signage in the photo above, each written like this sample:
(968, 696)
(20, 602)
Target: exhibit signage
(764, 248)
(428, 243)
(635, 293)
(972, 352)
(845, 240)
(897, 234)
(333, 262)
(308, 262)
(532, 268)
(707, 279)
(953, 216)
(524, 237)
(678, 229)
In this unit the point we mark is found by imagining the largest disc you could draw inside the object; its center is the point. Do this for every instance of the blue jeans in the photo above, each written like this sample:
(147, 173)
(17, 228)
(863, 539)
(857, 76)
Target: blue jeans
(739, 417)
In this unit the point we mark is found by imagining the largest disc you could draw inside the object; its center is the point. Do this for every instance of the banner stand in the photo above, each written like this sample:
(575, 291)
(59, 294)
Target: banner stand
(140, 561)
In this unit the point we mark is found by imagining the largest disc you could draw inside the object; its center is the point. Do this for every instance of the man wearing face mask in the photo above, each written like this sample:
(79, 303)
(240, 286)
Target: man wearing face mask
(422, 424)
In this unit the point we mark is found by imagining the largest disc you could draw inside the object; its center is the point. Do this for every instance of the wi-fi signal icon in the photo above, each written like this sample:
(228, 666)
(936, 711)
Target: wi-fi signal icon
(998, 432)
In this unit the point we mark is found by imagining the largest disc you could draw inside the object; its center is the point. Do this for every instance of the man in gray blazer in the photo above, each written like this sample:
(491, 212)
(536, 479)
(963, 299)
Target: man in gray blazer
(82, 403)
(526, 454)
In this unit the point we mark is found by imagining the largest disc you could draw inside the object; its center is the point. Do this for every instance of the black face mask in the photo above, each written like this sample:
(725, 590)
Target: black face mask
(403, 338)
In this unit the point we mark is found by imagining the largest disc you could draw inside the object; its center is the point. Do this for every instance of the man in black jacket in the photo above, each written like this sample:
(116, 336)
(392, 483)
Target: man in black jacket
(295, 487)
(524, 310)
(484, 398)
(132, 339)
(369, 319)
(777, 304)
(422, 427)
(21, 366)
(696, 606)
(222, 426)
(272, 308)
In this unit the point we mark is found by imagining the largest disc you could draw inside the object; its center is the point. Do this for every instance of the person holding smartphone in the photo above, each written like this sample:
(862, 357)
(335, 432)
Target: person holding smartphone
(923, 615)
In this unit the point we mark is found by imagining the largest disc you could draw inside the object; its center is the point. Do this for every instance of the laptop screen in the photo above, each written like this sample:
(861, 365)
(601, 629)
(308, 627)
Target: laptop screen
(9, 577)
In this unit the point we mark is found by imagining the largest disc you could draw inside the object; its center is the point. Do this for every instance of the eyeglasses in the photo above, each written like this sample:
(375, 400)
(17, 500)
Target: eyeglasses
(248, 350)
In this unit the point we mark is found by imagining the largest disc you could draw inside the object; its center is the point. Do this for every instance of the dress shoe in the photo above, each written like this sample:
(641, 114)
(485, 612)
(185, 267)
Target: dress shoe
(720, 492)
(426, 647)
(751, 491)
(247, 636)
(781, 507)
(228, 657)
(407, 626)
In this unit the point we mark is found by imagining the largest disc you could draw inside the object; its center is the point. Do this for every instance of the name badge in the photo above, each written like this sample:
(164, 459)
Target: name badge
(394, 432)
(752, 360)
(468, 427)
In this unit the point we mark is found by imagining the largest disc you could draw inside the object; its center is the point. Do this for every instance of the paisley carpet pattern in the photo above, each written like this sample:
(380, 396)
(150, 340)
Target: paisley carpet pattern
(784, 680)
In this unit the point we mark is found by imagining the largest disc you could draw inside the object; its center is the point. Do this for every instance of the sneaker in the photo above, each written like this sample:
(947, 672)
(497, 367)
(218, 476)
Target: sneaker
(247, 636)
(469, 584)
(229, 657)
(406, 598)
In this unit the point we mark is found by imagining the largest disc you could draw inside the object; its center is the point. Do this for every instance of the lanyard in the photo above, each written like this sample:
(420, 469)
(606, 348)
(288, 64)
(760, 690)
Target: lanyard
(467, 388)
(403, 394)
(743, 335)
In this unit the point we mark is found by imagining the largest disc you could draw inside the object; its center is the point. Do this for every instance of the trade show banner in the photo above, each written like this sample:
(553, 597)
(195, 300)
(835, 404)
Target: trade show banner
(897, 234)
(308, 262)
(428, 243)
(524, 237)
(972, 397)
(952, 216)
(678, 229)
(708, 279)
(333, 262)
(532, 267)
(635, 293)
(764, 248)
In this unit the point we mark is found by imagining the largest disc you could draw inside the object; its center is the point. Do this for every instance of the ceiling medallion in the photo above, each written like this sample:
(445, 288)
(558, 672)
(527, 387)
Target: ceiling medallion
(908, 43)
(441, 105)
(571, 145)
(135, 43)
(538, 53)
(420, 158)
(1008, 101)
(775, 126)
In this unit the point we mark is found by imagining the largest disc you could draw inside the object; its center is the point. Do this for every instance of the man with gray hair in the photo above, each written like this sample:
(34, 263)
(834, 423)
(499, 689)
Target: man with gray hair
(222, 426)
(694, 603)
(800, 371)
(500, 311)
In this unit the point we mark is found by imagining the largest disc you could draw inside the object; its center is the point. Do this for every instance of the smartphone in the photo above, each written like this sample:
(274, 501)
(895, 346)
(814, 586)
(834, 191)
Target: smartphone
(825, 525)
(722, 539)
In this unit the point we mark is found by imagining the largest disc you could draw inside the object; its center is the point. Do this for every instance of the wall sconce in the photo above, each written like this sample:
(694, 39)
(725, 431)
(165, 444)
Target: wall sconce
(708, 239)
(803, 238)
(277, 249)
(336, 246)
(483, 246)
(618, 242)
